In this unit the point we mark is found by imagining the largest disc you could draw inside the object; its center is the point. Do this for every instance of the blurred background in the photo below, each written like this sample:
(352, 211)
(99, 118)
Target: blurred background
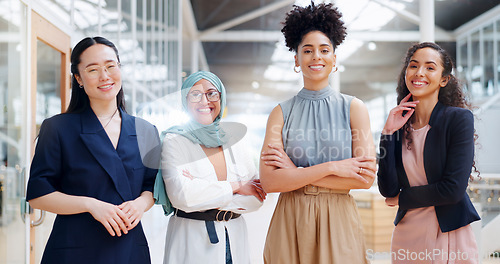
(162, 41)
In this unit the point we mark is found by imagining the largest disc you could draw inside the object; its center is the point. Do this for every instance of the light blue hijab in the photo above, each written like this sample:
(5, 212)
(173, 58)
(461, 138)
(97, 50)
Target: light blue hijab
(212, 135)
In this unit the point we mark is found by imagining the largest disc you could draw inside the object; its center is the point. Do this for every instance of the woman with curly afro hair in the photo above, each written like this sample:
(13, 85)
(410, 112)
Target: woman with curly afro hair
(427, 154)
(318, 146)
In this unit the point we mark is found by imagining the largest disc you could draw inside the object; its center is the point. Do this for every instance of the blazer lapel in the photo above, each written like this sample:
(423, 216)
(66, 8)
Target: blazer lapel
(431, 155)
(128, 135)
(99, 145)
(399, 160)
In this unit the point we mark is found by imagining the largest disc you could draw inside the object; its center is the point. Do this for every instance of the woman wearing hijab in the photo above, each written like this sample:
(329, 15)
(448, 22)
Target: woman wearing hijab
(209, 179)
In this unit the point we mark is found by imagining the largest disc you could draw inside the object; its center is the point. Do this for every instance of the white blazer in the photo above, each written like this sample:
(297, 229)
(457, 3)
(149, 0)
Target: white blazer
(187, 240)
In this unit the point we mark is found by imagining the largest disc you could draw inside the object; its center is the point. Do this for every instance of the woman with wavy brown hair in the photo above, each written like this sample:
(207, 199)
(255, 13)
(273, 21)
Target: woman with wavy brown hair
(427, 154)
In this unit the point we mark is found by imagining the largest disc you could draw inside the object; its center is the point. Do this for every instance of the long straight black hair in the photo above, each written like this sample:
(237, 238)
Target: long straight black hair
(79, 99)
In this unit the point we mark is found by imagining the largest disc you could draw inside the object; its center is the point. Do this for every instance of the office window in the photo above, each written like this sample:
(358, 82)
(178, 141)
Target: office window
(489, 57)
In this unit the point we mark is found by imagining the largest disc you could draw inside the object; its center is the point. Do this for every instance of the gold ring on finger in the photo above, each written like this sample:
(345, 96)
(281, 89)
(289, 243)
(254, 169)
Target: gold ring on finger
(360, 170)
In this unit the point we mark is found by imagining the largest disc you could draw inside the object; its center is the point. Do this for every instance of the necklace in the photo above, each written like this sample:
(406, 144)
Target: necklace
(111, 118)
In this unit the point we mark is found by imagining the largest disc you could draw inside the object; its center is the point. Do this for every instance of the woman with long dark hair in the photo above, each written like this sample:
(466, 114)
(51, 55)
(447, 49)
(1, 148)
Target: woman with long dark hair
(427, 154)
(94, 166)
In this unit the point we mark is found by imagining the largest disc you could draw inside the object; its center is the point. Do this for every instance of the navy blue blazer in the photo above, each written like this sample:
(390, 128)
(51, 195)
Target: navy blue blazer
(75, 156)
(448, 159)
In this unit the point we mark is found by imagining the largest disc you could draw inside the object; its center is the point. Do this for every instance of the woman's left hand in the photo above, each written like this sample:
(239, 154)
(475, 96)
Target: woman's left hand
(258, 187)
(392, 201)
(187, 174)
(134, 210)
(276, 156)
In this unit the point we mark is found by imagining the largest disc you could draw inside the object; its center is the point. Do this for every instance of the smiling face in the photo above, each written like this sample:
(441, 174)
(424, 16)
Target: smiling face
(316, 58)
(424, 74)
(204, 111)
(99, 74)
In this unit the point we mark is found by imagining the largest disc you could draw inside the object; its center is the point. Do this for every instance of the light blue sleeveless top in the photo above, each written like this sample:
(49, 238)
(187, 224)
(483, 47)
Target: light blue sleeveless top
(317, 127)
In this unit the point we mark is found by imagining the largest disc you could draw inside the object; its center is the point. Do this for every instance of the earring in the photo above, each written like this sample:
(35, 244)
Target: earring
(295, 69)
(336, 69)
(81, 86)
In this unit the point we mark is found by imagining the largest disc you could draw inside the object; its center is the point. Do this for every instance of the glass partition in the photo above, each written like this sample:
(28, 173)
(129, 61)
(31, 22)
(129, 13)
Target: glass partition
(497, 55)
(48, 82)
(12, 227)
(488, 51)
(478, 61)
(462, 64)
(476, 69)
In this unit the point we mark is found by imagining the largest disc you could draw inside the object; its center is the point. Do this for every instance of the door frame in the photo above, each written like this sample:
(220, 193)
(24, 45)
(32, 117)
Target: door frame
(43, 30)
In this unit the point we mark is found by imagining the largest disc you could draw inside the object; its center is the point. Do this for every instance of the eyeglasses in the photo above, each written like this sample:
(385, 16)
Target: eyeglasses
(195, 97)
(94, 71)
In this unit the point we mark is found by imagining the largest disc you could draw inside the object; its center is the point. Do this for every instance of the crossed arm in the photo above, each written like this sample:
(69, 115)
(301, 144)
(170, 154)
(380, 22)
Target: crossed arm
(279, 174)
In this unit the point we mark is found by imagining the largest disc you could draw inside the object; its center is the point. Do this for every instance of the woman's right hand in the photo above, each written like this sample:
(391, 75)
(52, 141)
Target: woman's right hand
(396, 120)
(276, 156)
(252, 187)
(110, 216)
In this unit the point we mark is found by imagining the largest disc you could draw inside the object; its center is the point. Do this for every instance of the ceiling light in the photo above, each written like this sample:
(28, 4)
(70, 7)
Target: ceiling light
(372, 45)
(255, 85)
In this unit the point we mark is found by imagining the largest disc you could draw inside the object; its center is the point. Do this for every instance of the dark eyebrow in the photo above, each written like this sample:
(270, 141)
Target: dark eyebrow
(95, 63)
(427, 62)
(321, 45)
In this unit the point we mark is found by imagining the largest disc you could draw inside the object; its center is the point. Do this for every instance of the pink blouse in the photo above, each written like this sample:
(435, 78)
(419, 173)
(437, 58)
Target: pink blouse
(417, 238)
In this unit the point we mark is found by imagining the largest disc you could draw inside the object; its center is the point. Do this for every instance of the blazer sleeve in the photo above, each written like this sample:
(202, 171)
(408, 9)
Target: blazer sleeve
(454, 179)
(187, 194)
(387, 178)
(45, 171)
(150, 148)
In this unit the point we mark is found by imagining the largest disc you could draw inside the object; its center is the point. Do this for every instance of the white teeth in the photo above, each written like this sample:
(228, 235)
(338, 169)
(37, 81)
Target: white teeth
(316, 67)
(418, 83)
(106, 86)
(204, 110)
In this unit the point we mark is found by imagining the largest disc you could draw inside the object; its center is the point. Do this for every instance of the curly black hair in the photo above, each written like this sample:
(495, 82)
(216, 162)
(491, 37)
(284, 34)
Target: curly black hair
(323, 17)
